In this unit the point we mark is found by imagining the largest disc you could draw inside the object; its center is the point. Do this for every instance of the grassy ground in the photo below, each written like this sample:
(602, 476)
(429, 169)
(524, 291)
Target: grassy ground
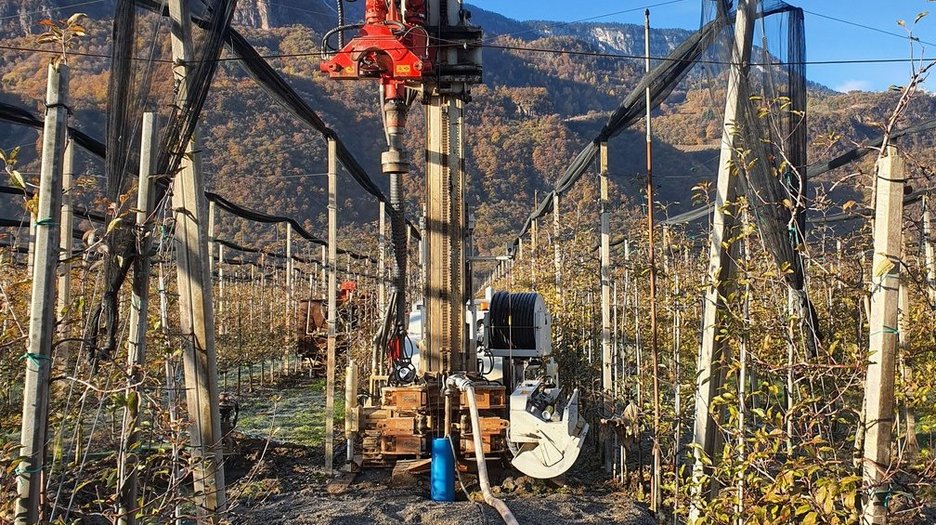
(292, 411)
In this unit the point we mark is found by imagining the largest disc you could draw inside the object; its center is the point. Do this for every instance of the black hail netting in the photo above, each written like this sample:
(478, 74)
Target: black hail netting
(22, 116)
(661, 81)
(124, 112)
(770, 136)
(17, 115)
(283, 94)
(181, 126)
(127, 90)
(124, 99)
(256, 216)
(770, 127)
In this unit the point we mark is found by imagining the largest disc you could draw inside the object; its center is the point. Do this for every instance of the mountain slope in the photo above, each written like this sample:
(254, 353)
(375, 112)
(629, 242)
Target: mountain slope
(534, 113)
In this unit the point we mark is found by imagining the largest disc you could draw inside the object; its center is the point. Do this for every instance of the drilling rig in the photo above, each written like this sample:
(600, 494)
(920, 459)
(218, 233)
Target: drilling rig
(428, 51)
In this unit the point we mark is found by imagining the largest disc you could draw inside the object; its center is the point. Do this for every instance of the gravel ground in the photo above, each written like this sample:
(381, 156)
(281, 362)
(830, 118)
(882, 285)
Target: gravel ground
(386, 506)
(284, 487)
(283, 482)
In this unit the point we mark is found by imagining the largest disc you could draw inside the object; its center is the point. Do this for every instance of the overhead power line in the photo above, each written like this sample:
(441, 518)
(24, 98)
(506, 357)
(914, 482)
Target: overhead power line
(869, 28)
(595, 54)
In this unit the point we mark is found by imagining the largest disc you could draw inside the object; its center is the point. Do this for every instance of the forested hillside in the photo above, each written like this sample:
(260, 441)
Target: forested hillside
(526, 123)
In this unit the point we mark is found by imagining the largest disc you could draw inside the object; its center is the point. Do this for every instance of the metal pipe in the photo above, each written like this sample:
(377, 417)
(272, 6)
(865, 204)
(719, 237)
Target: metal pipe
(464, 384)
(351, 413)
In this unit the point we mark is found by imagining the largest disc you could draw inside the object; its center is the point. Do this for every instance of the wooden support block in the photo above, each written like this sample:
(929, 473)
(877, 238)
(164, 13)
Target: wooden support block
(488, 397)
(398, 426)
(406, 398)
(403, 445)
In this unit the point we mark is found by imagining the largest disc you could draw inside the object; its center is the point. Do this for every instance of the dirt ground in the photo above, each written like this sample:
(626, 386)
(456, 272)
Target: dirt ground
(287, 485)
(272, 482)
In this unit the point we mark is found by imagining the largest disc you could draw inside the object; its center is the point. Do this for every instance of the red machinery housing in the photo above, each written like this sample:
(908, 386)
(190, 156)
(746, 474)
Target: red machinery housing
(392, 45)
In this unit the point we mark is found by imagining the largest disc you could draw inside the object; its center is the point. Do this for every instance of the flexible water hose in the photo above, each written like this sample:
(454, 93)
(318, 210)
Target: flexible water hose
(464, 384)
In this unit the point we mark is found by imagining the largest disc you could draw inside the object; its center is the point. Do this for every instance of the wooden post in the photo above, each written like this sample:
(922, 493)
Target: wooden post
(557, 250)
(605, 277)
(222, 329)
(928, 253)
(170, 371)
(63, 356)
(290, 297)
(445, 348)
(351, 389)
(136, 347)
(38, 356)
(67, 226)
(879, 382)
(906, 369)
(212, 233)
(605, 271)
(332, 305)
(196, 314)
(710, 372)
(324, 282)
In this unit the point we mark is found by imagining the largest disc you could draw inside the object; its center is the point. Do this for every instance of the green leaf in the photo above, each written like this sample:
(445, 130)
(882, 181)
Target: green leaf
(113, 224)
(16, 179)
(75, 17)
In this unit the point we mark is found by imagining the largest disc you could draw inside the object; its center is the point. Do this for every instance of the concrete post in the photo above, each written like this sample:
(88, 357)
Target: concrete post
(63, 352)
(66, 240)
(710, 368)
(136, 347)
(196, 313)
(38, 356)
(879, 382)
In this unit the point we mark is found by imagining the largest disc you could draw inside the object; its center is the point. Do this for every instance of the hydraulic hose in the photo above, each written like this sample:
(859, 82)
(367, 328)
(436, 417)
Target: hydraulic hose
(340, 23)
(464, 384)
(398, 242)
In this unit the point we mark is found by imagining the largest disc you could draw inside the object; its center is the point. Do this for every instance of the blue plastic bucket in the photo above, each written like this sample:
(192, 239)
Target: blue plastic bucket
(442, 471)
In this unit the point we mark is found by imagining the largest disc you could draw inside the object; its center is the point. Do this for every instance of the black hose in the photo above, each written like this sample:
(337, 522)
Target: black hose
(340, 23)
(512, 320)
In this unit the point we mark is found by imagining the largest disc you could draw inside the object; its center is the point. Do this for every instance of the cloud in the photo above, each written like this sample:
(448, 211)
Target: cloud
(854, 85)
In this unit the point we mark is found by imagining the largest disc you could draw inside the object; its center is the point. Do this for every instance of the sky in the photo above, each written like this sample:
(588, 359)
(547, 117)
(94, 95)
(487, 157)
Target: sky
(836, 30)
